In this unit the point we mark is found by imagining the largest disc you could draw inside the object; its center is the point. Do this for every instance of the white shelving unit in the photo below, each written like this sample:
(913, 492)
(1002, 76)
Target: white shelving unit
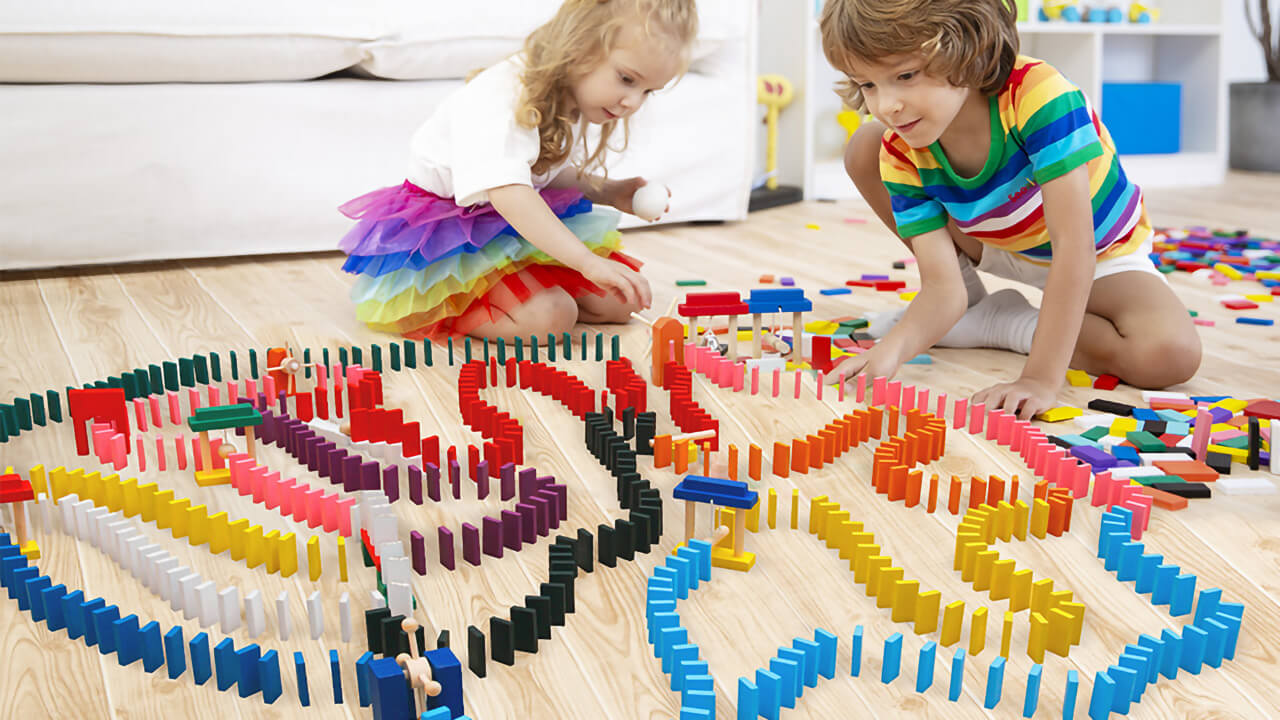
(1185, 46)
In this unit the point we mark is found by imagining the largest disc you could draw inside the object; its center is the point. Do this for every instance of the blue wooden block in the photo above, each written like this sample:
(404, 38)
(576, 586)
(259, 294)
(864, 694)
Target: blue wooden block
(1216, 642)
(1147, 564)
(175, 657)
(1232, 624)
(1163, 589)
(1158, 648)
(103, 618)
(1114, 545)
(1151, 655)
(924, 669)
(362, 679)
(300, 670)
(269, 676)
(35, 601)
(152, 646)
(1193, 644)
(892, 658)
(440, 713)
(957, 675)
(669, 638)
(1172, 657)
(128, 641)
(1140, 667)
(73, 617)
(686, 668)
(1069, 696)
(51, 601)
(687, 571)
(1182, 595)
(28, 579)
(1032, 698)
(812, 656)
(694, 556)
(789, 671)
(679, 583)
(748, 700)
(388, 690)
(770, 694)
(1207, 604)
(10, 564)
(698, 683)
(248, 677)
(855, 667)
(1104, 689)
(797, 657)
(201, 669)
(704, 557)
(677, 655)
(1130, 554)
(694, 713)
(90, 627)
(1122, 688)
(995, 683)
(835, 291)
(658, 623)
(335, 670)
(1110, 531)
(826, 653)
(702, 700)
(224, 664)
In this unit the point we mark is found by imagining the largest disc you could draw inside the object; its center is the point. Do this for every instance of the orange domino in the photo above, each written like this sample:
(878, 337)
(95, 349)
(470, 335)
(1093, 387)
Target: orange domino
(977, 492)
(754, 458)
(662, 451)
(1041, 490)
(706, 458)
(898, 482)
(682, 457)
(914, 480)
(829, 445)
(995, 490)
(815, 451)
(733, 461)
(893, 420)
(781, 459)
(800, 456)
(875, 420)
(953, 502)
(1165, 500)
(933, 493)
(1060, 502)
(1013, 489)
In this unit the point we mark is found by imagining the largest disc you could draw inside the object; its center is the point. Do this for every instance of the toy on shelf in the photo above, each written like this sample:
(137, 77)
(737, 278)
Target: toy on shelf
(1066, 10)
(1104, 13)
(850, 120)
(775, 93)
(1143, 13)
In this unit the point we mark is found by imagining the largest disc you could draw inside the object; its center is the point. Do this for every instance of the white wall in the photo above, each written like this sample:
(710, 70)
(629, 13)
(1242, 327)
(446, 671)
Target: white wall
(1244, 54)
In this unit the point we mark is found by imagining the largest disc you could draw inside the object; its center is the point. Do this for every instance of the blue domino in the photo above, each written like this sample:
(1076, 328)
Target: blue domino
(300, 670)
(679, 583)
(1193, 644)
(1158, 649)
(1163, 589)
(957, 675)
(676, 655)
(1130, 555)
(1122, 691)
(1172, 658)
(1146, 580)
(855, 667)
(35, 600)
(73, 617)
(26, 580)
(835, 291)
(1100, 701)
(1151, 668)
(693, 713)
(892, 658)
(201, 669)
(269, 676)
(1032, 698)
(225, 667)
(175, 657)
(1216, 642)
(152, 646)
(103, 619)
(1069, 696)
(924, 669)
(687, 668)
(748, 700)
(826, 653)
(90, 627)
(695, 556)
(770, 694)
(335, 670)
(389, 691)
(703, 548)
(797, 658)
(362, 679)
(669, 638)
(51, 601)
(1140, 667)
(1182, 595)
(1232, 624)
(658, 624)
(127, 640)
(688, 571)
(995, 682)
(1207, 604)
(812, 654)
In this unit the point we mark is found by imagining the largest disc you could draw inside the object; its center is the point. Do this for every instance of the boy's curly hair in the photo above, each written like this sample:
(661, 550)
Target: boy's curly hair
(570, 45)
(971, 43)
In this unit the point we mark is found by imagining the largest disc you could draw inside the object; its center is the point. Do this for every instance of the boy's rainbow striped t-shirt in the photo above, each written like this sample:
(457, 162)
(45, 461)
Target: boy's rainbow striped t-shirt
(1042, 127)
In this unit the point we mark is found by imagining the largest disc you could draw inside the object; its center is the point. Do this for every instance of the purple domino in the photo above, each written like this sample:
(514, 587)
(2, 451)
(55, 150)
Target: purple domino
(482, 479)
(542, 517)
(508, 475)
(415, 485)
(528, 522)
(492, 536)
(455, 479)
(418, 549)
(433, 482)
(369, 475)
(528, 483)
(444, 537)
(351, 473)
(1099, 459)
(391, 482)
(511, 530)
(786, 282)
(471, 543)
(866, 277)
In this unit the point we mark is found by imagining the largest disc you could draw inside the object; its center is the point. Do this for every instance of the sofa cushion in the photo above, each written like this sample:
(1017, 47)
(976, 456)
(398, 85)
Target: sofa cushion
(129, 41)
(439, 40)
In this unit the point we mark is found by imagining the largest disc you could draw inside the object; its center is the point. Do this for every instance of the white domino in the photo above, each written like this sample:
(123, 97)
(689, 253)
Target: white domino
(254, 615)
(284, 624)
(344, 616)
(190, 598)
(208, 593)
(315, 612)
(229, 609)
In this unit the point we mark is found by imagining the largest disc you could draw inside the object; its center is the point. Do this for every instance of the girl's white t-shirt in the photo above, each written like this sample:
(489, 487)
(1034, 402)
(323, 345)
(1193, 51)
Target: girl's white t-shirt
(472, 142)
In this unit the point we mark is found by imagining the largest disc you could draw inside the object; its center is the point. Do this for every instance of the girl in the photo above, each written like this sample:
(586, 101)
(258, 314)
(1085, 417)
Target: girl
(494, 234)
(994, 158)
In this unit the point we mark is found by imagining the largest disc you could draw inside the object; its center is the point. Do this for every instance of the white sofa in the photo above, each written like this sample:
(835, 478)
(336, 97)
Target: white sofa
(155, 129)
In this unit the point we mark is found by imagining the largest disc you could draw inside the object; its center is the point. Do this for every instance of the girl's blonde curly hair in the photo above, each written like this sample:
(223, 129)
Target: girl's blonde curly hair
(971, 43)
(569, 46)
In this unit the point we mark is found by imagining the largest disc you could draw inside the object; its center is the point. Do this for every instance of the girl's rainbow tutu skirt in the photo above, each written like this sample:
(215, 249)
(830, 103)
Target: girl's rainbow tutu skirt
(430, 269)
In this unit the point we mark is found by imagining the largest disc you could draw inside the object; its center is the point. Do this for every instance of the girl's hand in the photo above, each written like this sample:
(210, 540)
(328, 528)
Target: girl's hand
(1025, 397)
(883, 360)
(618, 194)
(619, 280)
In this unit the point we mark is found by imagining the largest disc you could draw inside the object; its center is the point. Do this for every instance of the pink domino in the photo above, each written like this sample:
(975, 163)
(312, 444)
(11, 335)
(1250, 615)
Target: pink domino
(197, 459)
(861, 395)
(739, 378)
(154, 402)
(250, 389)
(285, 493)
(344, 516)
(180, 449)
(175, 413)
(922, 400)
(140, 414)
(797, 384)
(960, 413)
(271, 491)
(894, 394)
(322, 377)
(878, 391)
(269, 387)
(329, 512)
(233, 395)
(119, 452)
(315, 508)
(942, 407)
(193, 399)
(160, 459)
(993, 423)
(1141, 514)
(1102, 484)
(821, 381)
(215, 396)
(777, 378)
(142, 455)
(908, 398)
(298, 501)
(257, 476)
(840, 387)
(755, 379)
(977, 412)
(1081, 488)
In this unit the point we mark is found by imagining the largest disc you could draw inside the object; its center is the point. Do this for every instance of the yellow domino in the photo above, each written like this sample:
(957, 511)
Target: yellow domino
(313, 558)
(1040, 591)
(1267, 274)
(219, 533)
(986, 565)
(288, 551)
(177, 513)
(926, 616)
(1059, 640)
(849, 549)
(773, 509)
(862, 555)
(1020, 591)
(1059, 414)
(1075, 611)
(952, 620)
(889, 578)
(147, 501)
(1039, 638)
(1039, 518)
(1229, 271)
(342, 558)
(30, 550)
(197, 525)
(1006, 635)
(162, 500)
(1021, 516)
(831, 526)
(1079, 378)
(1121, 427)
(112, 493)
(978, 632)
(1235, 405)
(1260, 298)
(38, 482)
(93, 488)
(1004, 521)
(271, 550)
(1001, 579)
(57, 479)
(753, 517)
(1237, 454)
(905, 595)
(969, 562)
(874, 565)
(238, 532)
(818, 508)
(129, 497)
(75, 483)
(255, 549)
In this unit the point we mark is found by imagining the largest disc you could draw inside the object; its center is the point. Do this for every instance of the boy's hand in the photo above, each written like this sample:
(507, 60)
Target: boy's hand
(619, 280)
(1026, 397)
(883, 360)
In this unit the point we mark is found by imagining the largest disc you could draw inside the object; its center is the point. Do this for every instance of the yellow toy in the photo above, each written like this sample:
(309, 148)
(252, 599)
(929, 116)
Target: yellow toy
(850, 120)
(774, 92)
(1143, 13)
(1068, 10)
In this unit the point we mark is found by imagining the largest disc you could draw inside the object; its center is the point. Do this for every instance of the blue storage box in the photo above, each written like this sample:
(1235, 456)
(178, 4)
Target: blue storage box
(1143, 118)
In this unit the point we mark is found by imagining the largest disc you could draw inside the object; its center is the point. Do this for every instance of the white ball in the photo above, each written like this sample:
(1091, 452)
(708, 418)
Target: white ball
(650, 201)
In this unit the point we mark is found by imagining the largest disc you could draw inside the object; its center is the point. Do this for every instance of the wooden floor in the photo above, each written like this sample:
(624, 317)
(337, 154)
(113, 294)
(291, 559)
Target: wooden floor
(71, 327)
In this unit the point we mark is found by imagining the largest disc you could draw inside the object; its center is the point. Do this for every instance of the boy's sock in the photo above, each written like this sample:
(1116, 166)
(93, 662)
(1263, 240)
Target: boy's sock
(973, 287)
(1003, 320)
